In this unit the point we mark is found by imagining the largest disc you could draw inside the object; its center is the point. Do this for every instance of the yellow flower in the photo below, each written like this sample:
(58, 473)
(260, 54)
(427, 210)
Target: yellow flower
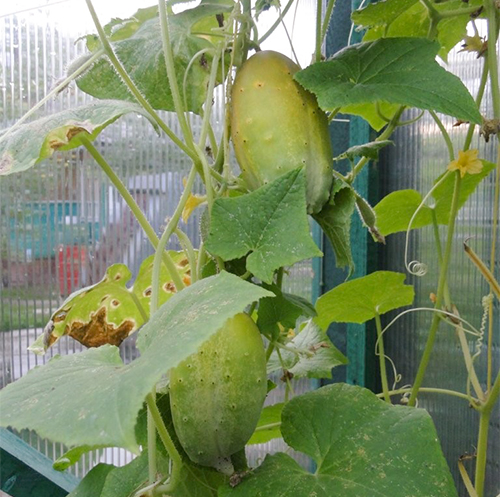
(467, 162)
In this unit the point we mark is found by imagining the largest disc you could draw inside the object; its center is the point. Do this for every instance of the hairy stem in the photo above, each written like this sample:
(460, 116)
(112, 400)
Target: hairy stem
(270, 31)
(319, 38)
(383, 136)
(326, 20)
(442, 391)
(381, 356)
(172, 76)
(479, 98)
(169, 229)
(167, 441)
(443, 274)
(131, 85)
(136, 210)
(444, 133)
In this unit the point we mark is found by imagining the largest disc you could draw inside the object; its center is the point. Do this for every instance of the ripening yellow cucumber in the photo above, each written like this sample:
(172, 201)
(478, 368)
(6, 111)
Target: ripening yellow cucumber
(216, 395)
(277, 126)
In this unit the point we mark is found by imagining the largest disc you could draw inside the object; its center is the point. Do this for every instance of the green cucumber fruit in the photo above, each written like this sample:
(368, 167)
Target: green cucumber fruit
(277, 126)
(216, 395)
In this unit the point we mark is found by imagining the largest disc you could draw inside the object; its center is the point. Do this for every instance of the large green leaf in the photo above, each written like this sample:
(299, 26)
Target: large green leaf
(31, 143)
(92, 398)
(142, 56)
(395, 70)
(362, 447)
(260, 224)
(335, 221)
(359, 300)
(310, 354)
(395, 211)
(409, 18)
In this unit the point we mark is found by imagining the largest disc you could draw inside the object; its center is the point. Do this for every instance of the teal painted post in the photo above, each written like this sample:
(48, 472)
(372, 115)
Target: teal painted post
(25, 472)
(356, 341)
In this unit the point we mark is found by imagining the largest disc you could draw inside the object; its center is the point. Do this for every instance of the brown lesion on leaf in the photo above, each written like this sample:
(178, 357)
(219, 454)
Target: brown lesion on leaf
(6, 163)
(169, 287)
(98, 331)
(115, 303)
(148, 292)
(56, 143)
(183, 262)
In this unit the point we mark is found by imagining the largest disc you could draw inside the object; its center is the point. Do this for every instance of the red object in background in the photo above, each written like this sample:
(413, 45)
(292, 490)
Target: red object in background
(70, 259)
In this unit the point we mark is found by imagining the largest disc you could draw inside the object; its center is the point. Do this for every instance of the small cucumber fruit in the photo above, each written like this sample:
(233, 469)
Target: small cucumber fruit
(216, 395)
(277, 126)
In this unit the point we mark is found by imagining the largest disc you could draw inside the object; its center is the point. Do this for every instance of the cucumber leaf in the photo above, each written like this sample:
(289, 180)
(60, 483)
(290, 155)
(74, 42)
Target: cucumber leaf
(141, 53)
(394, 70)
(259, 224)
(362, 447)
(28, 144)
(93, 398)
(361, 299)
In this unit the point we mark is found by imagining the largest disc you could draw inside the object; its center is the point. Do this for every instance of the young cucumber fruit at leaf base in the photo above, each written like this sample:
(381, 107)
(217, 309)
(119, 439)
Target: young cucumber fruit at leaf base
(216, 395)
(277, 126)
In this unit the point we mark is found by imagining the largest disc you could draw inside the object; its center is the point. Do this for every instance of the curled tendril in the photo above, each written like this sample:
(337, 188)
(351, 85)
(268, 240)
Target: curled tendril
(486, 302)
(417, 268)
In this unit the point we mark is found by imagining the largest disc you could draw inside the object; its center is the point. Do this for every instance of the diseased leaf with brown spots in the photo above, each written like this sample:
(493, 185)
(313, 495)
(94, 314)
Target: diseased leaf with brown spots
(23, 146)
(105, 313)
(108, 312)
(142, 287)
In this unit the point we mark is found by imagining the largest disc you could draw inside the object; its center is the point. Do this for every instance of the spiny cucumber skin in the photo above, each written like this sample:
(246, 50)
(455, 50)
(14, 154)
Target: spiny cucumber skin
(277, 126)
(216, 395)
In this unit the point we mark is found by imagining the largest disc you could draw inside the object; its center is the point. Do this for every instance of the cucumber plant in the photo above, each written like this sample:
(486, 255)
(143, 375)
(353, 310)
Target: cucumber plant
(213, 322)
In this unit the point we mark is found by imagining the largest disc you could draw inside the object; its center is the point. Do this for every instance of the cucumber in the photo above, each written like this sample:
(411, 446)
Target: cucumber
(216, 395)
(277, 126)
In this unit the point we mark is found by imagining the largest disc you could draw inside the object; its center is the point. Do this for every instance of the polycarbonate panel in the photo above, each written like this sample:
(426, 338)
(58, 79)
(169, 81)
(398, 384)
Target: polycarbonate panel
(62, 223)
(419, 157)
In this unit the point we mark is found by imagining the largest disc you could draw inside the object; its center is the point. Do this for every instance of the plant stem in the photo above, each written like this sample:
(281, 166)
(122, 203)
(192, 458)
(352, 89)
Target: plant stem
(439, 250)
(269, 426)
(495, 221)
(492, 58)
(446, 14)
(319, 38)
(479, 98)
(151, 427)
(381, 355)
(482, 442)
(188, 248)
(326, 20)
(443, 391)
(491, 12)
(167, 441)
(383, 136)
(270, 31)
(131, 85)
(434, 18)
(439, 297)
(56, 90)
(444, 133)
(171, 74)
(169, 229)
(132, 204)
